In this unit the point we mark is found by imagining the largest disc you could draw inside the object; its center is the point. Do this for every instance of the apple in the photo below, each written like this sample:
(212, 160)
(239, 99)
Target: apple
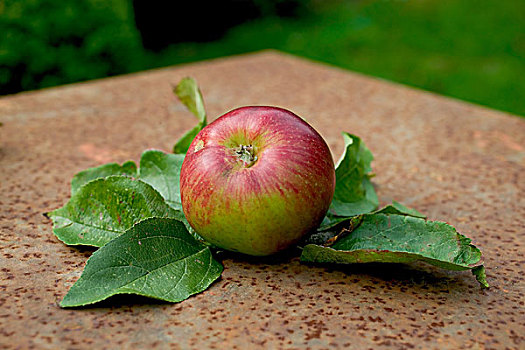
(256, 180)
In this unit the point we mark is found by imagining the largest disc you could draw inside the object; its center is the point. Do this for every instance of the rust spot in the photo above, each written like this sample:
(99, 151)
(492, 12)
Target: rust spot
(101, 154)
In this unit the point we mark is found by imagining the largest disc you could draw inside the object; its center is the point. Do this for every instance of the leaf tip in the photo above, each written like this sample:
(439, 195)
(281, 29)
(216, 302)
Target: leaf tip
(66, 302)
(481, 277)
(64, 305)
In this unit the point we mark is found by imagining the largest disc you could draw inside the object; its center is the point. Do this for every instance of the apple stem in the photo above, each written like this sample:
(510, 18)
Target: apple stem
(245, 153)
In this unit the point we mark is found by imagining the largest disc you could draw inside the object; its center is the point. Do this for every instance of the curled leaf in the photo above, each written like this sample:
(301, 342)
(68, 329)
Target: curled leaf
(354, 193)
(189, 94)
(398, 238)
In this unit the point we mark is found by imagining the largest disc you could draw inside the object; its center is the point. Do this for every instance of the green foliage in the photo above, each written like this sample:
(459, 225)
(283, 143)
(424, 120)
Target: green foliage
(104, 208)
(465, 49)
(189, 94)
(389, 237)
(399, 209)
(354, 193)
(162, 172)
(48, 42)
(129, 168)
(156, 258)
(108, 199)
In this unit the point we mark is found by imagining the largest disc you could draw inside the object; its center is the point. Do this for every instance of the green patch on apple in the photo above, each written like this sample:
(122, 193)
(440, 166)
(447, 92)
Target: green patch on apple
(256, 181)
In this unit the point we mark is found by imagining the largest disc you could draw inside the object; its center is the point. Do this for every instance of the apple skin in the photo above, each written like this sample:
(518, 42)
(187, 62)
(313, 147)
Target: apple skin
(256, 180)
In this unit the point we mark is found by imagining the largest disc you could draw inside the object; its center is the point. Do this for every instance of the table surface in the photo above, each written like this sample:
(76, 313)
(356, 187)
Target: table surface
(454, 161)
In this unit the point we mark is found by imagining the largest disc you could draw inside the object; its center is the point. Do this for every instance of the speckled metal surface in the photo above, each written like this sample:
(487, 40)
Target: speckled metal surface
(456, 162)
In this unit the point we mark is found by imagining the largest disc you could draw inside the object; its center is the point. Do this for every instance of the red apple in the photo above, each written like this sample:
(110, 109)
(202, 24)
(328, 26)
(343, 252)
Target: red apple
(256, 180)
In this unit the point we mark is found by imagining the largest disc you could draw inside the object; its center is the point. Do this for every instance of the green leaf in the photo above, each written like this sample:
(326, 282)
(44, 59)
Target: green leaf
(189, 94)
(105, 208)
(394, 238)
(156, 258)
(355, 204)
(400, 209)
(395, 208)
(481, 277)
(162, 172)
(354, 192)
(129, 168)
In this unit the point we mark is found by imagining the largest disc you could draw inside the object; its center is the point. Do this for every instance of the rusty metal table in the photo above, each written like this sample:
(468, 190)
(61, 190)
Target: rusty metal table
(454, 161)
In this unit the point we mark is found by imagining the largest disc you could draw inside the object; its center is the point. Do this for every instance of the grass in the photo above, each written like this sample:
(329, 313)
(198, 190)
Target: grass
(466, 49)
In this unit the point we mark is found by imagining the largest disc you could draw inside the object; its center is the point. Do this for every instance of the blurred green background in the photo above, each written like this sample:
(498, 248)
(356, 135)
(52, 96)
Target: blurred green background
(469, 49)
